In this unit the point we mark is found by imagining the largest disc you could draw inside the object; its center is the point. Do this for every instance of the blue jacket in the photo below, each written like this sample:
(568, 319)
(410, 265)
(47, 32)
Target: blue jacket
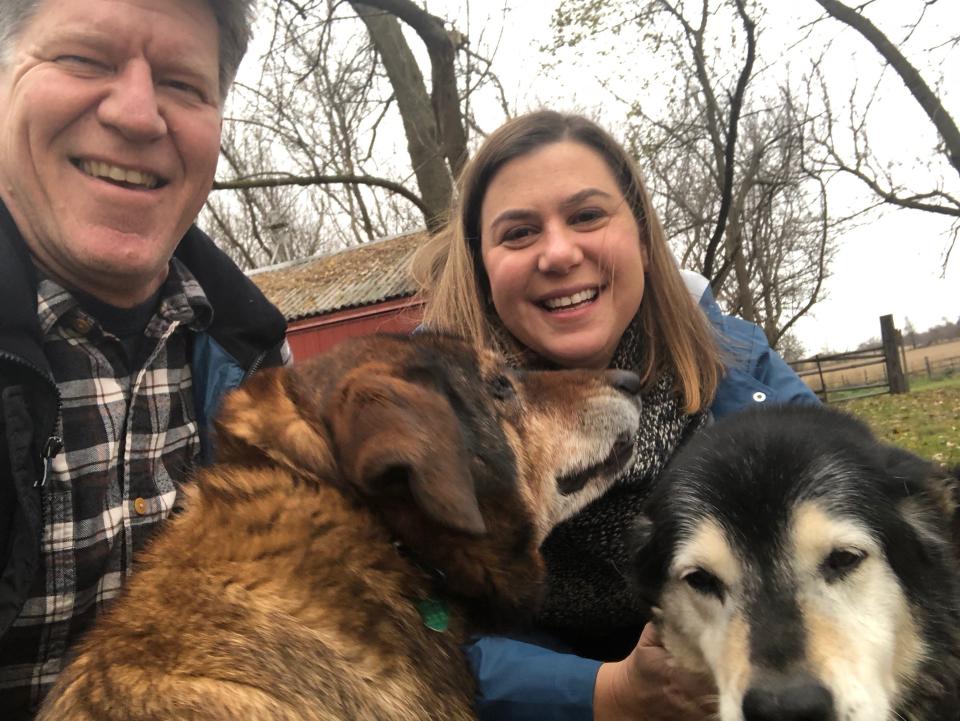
(246, 332)
(519, 681)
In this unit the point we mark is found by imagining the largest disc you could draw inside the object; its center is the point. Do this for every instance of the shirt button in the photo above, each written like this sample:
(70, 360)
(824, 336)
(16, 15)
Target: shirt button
(140, 506)
(82, 324)
(759, 396)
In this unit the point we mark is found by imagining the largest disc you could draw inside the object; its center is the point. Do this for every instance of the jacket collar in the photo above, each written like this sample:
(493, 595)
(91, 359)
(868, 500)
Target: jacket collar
(244, 322)
(19, 329)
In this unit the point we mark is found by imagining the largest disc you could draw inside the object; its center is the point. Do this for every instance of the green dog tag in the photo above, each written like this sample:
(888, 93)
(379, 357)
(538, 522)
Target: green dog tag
(435, 614)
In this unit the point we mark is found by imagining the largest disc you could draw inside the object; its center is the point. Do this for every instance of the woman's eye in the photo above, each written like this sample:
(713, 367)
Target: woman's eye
(587, 216)
(704, 583)
(518, 236)
(841, 562)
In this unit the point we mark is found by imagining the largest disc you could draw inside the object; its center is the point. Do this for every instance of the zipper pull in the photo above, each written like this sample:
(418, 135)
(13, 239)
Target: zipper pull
(51, 448)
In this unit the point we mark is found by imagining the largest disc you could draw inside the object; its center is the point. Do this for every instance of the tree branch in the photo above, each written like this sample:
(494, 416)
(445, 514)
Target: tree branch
(736, 104)
(441, 47)
(245, 183)
(910, 76)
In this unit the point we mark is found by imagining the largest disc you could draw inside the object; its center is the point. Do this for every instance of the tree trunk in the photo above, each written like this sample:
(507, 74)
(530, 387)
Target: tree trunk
(416, 110)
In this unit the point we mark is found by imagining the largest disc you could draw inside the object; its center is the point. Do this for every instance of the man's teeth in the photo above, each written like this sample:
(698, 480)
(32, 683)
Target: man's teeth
(122, 175)
(567, 301)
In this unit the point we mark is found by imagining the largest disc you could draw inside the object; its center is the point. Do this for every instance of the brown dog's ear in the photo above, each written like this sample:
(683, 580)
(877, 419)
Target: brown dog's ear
(383, 426)
(261, 418)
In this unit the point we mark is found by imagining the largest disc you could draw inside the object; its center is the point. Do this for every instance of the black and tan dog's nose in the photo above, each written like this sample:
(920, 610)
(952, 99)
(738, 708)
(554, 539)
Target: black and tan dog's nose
(624, 381)
(790, 699)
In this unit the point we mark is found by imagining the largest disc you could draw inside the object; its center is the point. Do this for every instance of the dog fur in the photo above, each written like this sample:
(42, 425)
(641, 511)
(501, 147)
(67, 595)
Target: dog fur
(346, 488)
(809, 569)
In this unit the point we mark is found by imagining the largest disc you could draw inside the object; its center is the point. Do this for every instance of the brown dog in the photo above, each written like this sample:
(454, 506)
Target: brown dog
(350, 490)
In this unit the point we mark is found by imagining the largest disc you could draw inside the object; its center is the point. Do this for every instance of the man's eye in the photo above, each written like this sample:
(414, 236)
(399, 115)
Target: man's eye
(80, 61)
(186, 88)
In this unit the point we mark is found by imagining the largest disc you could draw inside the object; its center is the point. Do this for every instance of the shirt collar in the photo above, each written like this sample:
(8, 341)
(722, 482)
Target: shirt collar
(181, 300)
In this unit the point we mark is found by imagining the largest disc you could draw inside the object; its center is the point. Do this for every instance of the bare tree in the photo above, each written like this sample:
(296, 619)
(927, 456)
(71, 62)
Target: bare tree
(310, 147)
(779, 238)
(726, 165)
(420, 121)
(846, 147)
(922, 93)
(445, 99)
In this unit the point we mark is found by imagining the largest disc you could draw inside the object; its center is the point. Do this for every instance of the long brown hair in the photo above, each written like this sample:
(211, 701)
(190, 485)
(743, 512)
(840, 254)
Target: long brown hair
(453, 282)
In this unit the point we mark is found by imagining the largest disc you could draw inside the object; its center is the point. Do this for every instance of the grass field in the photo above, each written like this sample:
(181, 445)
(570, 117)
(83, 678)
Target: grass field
(925, 421)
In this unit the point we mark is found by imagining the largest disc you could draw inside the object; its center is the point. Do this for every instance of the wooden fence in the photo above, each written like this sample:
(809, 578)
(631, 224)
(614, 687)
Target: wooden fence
(938, 368)
(817, 370)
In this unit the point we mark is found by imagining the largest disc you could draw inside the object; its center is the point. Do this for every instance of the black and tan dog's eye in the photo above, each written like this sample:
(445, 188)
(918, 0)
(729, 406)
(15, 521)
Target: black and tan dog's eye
(840, 563)
(502, 388)
(705, 583)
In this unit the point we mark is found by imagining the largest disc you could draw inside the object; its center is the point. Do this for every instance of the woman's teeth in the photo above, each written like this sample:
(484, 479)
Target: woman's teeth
(570, 300)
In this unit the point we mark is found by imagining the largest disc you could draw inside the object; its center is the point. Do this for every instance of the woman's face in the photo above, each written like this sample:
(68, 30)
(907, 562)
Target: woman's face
(563, 254)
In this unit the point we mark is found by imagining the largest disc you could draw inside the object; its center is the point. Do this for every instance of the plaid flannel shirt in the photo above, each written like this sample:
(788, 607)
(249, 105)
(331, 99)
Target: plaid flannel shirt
(130, 437)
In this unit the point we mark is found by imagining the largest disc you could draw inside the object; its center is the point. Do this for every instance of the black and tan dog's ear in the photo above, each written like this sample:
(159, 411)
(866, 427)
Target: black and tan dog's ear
(386, 429)
(911, 475)
(646, 571)
(928, 496)
(942, 486)
(262, 419)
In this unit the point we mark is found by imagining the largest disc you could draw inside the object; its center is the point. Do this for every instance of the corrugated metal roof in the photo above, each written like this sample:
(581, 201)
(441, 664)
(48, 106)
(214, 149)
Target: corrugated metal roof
(358, 276)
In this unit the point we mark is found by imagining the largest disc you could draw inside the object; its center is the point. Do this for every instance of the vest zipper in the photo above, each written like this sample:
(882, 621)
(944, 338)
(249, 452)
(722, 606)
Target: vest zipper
(52, 446)
(255, 366)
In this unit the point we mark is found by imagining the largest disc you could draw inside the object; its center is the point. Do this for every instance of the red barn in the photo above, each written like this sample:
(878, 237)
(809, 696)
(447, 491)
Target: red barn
(360, 290)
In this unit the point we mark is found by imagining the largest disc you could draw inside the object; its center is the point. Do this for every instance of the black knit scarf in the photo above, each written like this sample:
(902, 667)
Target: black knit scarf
(589, 605)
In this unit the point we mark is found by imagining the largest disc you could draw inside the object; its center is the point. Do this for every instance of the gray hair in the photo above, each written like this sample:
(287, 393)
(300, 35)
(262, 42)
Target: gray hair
(234, 22)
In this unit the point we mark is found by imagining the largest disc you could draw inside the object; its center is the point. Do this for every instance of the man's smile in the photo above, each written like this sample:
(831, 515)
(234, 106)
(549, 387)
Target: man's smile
(126, 177)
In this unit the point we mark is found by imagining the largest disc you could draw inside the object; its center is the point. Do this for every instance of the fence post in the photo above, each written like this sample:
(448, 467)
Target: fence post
(823, 384)
(926, 362)
(895, 376)
(903, 354)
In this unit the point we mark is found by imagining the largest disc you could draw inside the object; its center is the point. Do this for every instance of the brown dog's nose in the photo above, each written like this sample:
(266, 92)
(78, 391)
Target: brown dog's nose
(624, 381)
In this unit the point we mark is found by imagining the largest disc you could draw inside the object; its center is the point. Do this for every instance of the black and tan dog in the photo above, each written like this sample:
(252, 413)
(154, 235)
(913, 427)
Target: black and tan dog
(354, 498)
(809, 569)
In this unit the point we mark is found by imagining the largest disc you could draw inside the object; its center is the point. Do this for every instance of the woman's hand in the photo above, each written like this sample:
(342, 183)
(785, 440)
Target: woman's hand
(647, 686)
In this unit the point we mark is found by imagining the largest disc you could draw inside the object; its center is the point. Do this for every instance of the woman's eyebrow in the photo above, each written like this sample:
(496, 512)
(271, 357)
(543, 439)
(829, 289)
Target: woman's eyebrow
(513, 214)
(582, 195)
(526, 214)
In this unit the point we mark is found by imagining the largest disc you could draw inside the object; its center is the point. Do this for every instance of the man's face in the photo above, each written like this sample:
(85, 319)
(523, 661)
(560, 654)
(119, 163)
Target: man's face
(109, 137)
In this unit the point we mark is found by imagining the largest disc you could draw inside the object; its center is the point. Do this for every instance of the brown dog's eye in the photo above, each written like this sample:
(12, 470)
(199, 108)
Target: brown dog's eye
(705, 583)
(840, 563)
(502, 388)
